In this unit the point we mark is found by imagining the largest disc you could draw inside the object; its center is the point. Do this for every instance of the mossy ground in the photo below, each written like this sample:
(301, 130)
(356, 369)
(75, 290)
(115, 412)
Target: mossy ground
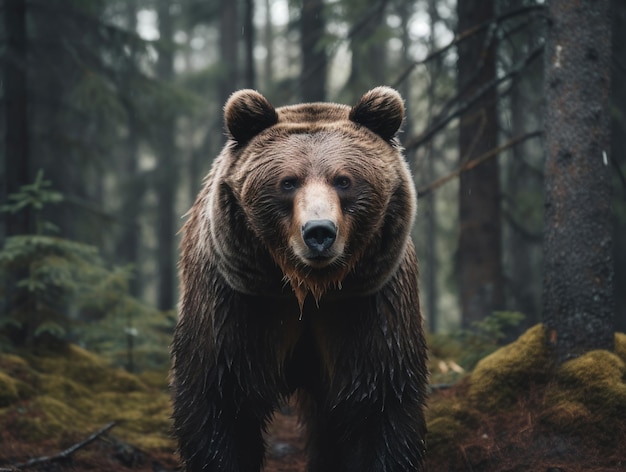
(51, 401)
(516, 412)
(512, 412)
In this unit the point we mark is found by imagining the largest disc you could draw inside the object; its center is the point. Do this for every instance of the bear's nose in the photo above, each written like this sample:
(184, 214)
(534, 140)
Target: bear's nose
(319, 235)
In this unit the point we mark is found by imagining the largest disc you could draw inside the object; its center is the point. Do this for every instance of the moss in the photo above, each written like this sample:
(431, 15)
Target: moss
(61, 388)
(500, 377)
(44, 417)
(155, 378)
(596, 380)
(567, 416)
(517, 403)
(75, 392)
(23, 376)
(9, 392)
(88, 369)
(444, 432)
(620, 345)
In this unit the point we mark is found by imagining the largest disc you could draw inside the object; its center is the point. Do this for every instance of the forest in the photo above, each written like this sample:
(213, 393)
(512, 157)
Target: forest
(111, 114)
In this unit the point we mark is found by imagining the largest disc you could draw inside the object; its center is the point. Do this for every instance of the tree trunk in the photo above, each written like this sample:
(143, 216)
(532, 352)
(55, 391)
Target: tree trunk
(229, 50)
(618, 154)
(523, 182)
(578, 304)
(132, 184)
(430, 211)
(479, 253)
(17, 170)
(314, 59)
(166, 173)
(368, 64)
(248, 33)
(268, 40)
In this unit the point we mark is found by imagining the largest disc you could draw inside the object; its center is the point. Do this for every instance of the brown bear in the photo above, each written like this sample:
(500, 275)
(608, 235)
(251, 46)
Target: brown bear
(298, 275)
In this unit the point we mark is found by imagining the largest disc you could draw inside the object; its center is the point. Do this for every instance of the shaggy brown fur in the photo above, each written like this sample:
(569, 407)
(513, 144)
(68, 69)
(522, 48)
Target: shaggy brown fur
(267, 310)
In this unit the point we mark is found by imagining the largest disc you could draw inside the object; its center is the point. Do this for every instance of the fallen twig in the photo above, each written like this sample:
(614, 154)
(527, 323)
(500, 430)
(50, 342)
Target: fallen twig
(61, 455)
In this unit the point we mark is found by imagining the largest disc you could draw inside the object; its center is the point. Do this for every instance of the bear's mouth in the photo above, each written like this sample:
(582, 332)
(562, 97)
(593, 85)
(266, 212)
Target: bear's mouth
(319, 259)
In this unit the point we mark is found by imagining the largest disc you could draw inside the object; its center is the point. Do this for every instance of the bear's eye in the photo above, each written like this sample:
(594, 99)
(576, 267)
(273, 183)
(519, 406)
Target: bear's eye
(289, 184)
(342, 182)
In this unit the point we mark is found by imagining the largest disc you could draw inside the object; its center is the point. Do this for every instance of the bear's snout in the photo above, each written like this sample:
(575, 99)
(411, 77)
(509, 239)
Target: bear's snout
(319, 236)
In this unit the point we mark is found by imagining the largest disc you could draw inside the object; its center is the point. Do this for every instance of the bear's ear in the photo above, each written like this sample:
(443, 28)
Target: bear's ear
(246, 114)
(381, 110)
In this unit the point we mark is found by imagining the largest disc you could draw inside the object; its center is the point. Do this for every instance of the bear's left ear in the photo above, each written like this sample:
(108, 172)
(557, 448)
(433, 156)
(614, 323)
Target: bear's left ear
(246, 114)
(381, 110)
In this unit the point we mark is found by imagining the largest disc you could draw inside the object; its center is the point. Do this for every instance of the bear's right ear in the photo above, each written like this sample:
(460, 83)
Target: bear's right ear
(246, 114)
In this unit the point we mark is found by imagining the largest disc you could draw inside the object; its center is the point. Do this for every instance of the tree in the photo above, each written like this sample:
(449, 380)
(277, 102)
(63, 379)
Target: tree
(249, 36)
(167, 171)
(229, 50)
(618, 156)
(314, 59)
(132, 185)
(521, 106)
(367, 45)
(16, 151)
(479, 258)
(578, 306)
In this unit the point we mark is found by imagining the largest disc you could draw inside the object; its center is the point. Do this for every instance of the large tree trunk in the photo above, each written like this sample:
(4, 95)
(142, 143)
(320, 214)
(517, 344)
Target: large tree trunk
(618, 151)
(479, 253)
(314, 59)
(167, 172)
(578, 309)
(17, 170)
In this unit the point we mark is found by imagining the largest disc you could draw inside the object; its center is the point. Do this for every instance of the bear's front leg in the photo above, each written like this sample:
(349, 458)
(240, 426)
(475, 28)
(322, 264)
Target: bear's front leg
(225, 386)
(218, 429)
(368, 414)
(368, 436)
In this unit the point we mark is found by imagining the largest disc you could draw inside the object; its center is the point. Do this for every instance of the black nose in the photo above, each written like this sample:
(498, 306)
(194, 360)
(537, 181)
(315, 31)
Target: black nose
(319, 235)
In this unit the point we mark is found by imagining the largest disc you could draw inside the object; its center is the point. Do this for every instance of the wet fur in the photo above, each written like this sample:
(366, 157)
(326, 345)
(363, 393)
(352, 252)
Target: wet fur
(257, 325)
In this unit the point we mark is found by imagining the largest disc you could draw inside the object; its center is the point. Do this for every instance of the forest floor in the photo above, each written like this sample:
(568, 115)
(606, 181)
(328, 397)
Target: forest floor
(510, 414)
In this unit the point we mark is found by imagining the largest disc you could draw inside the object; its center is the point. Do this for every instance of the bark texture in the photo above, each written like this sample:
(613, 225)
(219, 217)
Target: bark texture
(578, 306)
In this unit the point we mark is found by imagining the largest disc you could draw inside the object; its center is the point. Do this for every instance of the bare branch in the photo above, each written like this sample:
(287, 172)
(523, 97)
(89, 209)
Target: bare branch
(475, 162)
(61, 455)
(462, 36)
(441, 122)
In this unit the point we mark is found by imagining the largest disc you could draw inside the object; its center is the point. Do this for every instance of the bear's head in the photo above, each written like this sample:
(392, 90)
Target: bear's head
(321, 188)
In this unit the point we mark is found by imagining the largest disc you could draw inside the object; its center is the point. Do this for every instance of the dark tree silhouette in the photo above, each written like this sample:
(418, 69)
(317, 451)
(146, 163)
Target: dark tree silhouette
(167, 172)
(479, 259)
(314, 59)
(16, 150)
